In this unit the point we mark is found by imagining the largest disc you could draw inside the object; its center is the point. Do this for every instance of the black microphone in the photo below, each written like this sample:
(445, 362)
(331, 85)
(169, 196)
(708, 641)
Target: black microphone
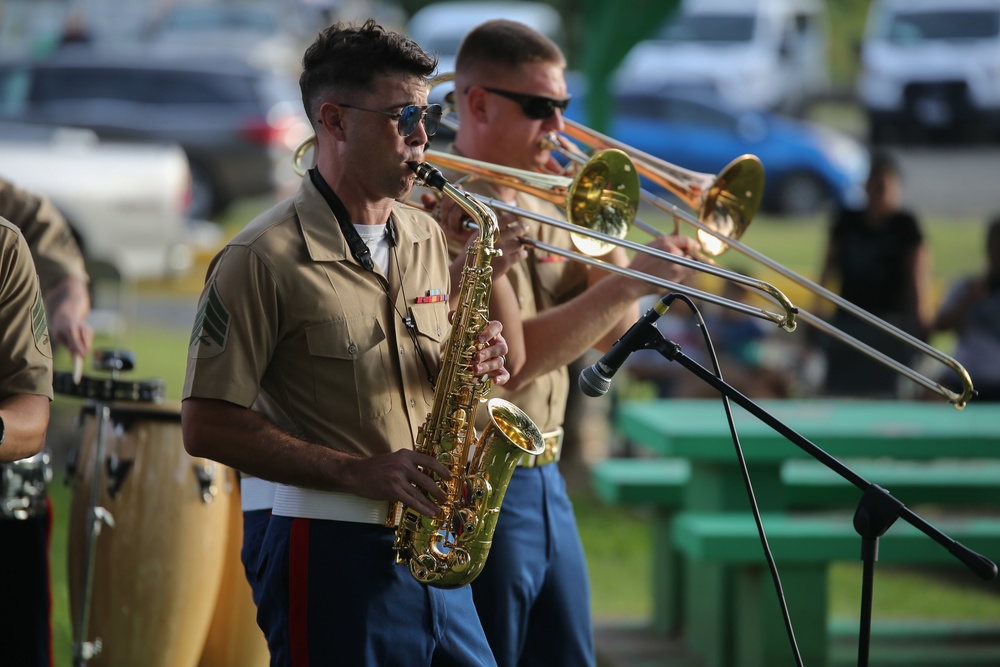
(596, 380)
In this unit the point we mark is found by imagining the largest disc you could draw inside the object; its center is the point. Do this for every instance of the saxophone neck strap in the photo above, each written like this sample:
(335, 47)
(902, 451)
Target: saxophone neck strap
(361, 253)
(359, 250)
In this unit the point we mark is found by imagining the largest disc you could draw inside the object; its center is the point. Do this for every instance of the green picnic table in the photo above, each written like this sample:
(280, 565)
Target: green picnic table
(703, 498)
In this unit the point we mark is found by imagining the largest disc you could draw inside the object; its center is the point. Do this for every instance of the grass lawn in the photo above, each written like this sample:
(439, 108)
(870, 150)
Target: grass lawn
(617, 541)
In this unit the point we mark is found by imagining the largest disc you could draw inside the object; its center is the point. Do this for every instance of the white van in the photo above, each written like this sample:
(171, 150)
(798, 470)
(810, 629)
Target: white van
(766, 54)
(931, 67)
(440, 27)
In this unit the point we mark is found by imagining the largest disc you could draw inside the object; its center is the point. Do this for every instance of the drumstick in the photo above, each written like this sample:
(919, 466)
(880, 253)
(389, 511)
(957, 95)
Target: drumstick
(77, 368)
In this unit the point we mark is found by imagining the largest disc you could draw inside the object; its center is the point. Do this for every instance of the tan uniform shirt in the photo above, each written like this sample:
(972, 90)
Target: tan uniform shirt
(26, 358)
(53, 247)
(291, 325)
(542, 281)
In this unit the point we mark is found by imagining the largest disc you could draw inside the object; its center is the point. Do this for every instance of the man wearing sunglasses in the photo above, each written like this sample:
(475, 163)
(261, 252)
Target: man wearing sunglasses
(533, 595)
(310, 362)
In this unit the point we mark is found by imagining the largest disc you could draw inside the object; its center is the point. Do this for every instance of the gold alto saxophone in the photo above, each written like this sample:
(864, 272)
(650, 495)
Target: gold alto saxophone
(450, 550)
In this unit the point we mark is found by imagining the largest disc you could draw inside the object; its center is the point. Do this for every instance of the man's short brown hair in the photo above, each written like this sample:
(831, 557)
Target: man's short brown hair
(347, 57)
(506, 44)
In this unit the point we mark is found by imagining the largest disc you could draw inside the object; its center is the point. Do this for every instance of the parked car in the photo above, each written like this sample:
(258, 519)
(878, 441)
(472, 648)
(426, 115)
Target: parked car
(806, 166)
(767, 54)
(125, 202)
(931, 67)
(237, 124)
(266, 35)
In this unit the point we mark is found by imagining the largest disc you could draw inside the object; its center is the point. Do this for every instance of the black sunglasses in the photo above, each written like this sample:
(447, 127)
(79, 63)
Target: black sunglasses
(410, 116)
(534, 106)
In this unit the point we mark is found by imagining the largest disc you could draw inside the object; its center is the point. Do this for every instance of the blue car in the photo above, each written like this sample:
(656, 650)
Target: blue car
(807, 167)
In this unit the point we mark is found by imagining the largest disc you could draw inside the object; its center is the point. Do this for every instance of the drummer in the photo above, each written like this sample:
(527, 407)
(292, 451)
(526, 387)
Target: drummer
(58, 262)
(62, 286)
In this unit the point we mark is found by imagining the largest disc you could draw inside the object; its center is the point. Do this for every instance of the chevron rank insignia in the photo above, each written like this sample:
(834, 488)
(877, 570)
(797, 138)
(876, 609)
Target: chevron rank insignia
(40, 326)
(211, 327)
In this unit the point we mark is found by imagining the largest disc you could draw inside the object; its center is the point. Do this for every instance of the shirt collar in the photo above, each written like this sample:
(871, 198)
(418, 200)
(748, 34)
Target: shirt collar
(323, 238)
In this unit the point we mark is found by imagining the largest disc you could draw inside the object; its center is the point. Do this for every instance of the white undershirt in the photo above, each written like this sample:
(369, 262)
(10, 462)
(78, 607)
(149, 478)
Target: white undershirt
(377, 241)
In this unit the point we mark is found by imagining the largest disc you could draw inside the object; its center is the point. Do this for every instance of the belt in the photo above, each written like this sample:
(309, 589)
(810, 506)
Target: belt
(256, 493)
(302, 503)
(553, 449)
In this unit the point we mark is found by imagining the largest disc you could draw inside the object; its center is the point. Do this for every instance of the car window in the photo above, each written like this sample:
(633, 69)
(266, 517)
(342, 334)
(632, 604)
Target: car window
(198, 88)
(686, 111)
(198, 18)
(676, 110)
(709, 28)
(141, 86)
(915, 27)
(52, 84)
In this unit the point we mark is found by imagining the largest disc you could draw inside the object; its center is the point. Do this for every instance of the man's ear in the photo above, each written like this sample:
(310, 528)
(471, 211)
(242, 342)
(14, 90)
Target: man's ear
(332, 119)
(475, 101)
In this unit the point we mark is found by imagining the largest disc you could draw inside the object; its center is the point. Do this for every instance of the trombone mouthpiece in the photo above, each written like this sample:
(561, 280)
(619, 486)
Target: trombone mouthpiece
(430, 175)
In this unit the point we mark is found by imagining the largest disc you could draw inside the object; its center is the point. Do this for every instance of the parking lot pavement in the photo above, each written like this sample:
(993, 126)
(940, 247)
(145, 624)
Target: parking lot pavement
(950, 182)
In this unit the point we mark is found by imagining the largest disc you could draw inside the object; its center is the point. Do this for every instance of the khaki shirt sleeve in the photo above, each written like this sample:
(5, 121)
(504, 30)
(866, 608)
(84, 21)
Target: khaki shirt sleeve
(50, 239)
(237, 327)
(26, 358)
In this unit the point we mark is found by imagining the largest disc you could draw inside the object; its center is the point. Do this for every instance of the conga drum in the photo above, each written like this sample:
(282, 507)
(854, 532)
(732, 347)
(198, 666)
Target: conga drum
(156, 572)
(234, 638)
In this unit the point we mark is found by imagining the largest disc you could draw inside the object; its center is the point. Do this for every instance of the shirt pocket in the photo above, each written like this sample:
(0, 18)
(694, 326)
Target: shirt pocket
(431, 323)
(350, 374)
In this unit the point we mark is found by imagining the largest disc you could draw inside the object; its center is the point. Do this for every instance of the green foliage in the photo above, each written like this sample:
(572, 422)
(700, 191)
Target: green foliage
(847, 25)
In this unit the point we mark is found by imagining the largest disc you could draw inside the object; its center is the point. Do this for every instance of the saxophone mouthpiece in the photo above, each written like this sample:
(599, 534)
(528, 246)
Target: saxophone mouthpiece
(430, 175)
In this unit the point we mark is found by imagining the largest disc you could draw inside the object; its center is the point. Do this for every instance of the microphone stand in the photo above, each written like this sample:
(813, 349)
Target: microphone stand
(876, 511)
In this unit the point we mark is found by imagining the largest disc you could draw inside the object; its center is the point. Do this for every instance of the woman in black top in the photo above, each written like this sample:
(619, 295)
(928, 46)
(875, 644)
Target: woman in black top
(879, 259)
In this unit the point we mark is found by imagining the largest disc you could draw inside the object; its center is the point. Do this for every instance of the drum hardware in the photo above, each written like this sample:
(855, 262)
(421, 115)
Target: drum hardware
(70, 472)
(22, 486)
(101, 391)
(206, 482)
(118, 470)
(85, 650)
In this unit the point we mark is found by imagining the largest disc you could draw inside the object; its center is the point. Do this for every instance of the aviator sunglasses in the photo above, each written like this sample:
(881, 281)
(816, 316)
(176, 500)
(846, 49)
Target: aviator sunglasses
(536, 107)
(409, 117)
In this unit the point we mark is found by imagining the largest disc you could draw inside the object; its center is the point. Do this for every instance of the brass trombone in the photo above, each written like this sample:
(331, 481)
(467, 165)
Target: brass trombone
(723, 216)
(595, 229)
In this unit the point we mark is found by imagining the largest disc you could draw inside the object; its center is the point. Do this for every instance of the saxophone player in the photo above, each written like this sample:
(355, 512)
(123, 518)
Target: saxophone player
(311, 364)
(533, 593)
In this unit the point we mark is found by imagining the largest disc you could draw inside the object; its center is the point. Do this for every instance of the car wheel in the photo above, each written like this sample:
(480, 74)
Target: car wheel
(203, 199)
(801, 193)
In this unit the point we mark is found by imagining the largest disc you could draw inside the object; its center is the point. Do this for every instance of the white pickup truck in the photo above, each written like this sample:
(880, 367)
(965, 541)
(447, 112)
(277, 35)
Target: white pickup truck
(127, 203)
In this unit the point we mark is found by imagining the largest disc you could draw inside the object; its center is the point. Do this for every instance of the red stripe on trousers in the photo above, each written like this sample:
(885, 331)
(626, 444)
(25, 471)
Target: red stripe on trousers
(298, 593)
(49, 520)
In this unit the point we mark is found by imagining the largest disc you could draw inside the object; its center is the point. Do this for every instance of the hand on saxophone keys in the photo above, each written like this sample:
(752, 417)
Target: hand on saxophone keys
(404, 476)
(491, 360)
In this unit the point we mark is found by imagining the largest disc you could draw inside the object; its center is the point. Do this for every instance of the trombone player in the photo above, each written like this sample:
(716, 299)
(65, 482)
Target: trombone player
(533, 595)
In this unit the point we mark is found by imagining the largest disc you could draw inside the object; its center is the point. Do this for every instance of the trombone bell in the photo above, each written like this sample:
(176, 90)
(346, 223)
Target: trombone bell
(604, 194)
(731, 202)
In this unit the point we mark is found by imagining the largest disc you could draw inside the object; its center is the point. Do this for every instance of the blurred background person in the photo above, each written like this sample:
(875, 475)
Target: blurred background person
(63, 282)
(25, 392)
(972, 310)
(58, 262)
(877, 259)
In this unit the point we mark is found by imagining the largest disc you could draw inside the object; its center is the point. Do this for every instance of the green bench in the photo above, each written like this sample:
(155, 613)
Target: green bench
(735, 620)
(660, 483)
